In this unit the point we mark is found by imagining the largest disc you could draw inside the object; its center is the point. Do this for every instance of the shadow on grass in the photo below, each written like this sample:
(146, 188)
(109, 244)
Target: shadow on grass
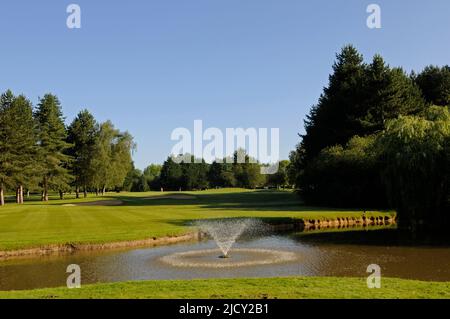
(259, 200)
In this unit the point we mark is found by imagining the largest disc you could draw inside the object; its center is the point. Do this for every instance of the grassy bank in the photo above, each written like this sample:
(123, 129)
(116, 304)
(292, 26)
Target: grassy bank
(141, 216)
(298, 287)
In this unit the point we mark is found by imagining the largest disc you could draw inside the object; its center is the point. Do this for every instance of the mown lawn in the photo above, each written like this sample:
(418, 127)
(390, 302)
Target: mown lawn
(296, 287)
(34, 224)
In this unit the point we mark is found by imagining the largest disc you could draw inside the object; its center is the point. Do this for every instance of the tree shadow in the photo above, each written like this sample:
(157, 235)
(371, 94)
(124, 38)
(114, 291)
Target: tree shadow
(259, 200)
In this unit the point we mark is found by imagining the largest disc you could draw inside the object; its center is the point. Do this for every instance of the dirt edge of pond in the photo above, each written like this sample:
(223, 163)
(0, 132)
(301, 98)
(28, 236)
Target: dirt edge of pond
(70, 248)
(305, 224)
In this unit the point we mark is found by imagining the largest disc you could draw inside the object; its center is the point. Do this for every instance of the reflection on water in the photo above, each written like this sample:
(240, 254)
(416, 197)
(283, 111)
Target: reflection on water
(333, 254)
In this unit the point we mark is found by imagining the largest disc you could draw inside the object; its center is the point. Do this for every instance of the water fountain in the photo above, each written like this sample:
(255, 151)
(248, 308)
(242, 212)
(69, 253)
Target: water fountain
(225, 233)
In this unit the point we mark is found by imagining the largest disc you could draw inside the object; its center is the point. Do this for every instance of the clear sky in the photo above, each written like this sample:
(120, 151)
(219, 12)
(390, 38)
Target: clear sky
(151, 66)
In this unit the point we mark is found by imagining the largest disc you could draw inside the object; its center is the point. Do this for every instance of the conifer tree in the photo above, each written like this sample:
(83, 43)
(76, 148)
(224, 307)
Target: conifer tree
(52, 136)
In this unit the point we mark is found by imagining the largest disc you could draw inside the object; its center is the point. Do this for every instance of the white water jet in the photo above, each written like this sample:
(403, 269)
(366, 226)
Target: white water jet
(225, 232)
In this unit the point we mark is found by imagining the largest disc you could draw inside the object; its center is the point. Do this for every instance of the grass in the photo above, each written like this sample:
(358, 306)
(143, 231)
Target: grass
(35, 224)
(295, 287)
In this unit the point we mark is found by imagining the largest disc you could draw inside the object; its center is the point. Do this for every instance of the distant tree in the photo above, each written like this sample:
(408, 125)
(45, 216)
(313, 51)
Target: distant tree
(434, 82)
(152, 176)
(280, 178)
(194, 174)
(52, 136)
(247, 171)
(135, 181)
(171, 175)
(81, 135)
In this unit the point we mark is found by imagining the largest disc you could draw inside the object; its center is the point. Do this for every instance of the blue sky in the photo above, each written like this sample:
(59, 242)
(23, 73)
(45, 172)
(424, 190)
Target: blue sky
(151, 66)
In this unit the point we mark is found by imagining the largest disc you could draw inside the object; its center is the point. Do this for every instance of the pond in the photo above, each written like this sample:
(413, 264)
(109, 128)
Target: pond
(322, 254)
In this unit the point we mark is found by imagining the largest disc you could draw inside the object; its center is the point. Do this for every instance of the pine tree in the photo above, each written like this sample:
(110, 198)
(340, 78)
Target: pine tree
(52, 136)
(171, 175)
(334, 119)
(6, 151)
(388, 94)
(81, 134)
(24, 143)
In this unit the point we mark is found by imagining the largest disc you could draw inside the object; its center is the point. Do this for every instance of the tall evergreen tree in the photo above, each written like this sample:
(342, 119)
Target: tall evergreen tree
(388, 93)
(335, 118)
(52, 136)
(171, 175)
(24, 143)
(6, 151)
(81, 135)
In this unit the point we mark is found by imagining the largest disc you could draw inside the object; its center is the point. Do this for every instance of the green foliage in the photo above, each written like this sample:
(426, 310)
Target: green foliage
(221, 174)
(345, 177)
(247, 171)
(194, 174)
(435, 84)
(81, 135)
(151, 176)
(415, 153)
(401, 158)
(280, 178)
(111, 157)
(171, 175)
(18, 144)
(358, 101)
(135, 181)
(187, 173)
(52, 136)
(36, 149)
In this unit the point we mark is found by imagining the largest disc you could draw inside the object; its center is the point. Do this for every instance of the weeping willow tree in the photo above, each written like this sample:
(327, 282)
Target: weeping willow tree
(415, 152)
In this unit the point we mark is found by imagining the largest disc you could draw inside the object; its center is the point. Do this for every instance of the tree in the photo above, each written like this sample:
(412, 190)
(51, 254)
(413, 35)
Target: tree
(52, 136)
(280, 178)
(81, 135)
(152, 175)
(135, 181)
(171, 175)
(388, 93)
(24, 143)
(335, 119)
(359, 100)
(6, 148)
(111, 160)
(434, 82)
(415, 154)
(346, 176)
(194, 174)
(246, 170)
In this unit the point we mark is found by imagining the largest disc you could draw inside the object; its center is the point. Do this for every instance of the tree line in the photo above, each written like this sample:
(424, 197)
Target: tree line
(378, 137)
(178, 174)
(38, 152)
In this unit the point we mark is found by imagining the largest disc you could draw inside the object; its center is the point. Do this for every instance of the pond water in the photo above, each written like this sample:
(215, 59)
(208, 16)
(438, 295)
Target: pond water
(342, 254)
